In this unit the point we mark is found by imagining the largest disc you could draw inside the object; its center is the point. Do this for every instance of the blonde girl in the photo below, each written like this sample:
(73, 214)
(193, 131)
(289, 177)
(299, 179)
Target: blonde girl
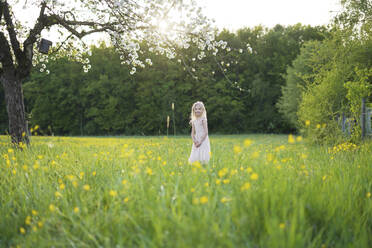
(200, 150)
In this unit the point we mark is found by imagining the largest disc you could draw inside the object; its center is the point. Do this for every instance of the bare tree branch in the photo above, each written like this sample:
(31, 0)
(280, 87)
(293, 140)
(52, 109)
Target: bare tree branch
(5, 53)
(40, 24)
(1, 10)
(12, 33)
(61, 45)
(69, 25)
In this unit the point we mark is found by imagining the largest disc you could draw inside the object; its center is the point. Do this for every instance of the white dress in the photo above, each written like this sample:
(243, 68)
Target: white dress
(201, 153)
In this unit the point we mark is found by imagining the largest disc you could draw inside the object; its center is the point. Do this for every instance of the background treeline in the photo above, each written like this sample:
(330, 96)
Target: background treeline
(330, 77)
(240, 88)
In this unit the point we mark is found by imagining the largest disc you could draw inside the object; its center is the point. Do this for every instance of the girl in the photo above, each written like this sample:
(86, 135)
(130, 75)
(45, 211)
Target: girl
(201, 147)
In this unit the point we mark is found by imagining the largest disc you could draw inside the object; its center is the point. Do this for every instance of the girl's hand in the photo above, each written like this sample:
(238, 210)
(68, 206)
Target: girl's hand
(197, 144)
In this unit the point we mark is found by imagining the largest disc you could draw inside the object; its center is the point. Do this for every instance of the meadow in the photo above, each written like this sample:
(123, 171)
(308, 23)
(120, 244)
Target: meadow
(257, 191)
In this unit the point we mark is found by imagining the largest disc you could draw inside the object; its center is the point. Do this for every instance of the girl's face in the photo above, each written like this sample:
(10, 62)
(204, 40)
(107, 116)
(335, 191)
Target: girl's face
(198, 110)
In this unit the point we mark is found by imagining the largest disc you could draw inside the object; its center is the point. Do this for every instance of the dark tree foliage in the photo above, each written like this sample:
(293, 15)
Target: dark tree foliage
(240, 89)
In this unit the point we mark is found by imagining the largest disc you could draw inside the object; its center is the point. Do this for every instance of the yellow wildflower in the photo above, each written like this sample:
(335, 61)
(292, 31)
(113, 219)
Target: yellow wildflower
(225, 199)
(254, 176)
(291, 139)
(237, 149)
(58, 194)
(149, 171)
(247, 142)
(86, 187)
(203, 200)
(245, 186)
(62, 186)
(113, 193)
(52, 208)
(28, 220)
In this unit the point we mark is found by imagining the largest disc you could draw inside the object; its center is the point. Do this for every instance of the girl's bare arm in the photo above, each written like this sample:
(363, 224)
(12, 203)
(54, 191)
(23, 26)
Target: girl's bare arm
(193, 133)
(205, 126)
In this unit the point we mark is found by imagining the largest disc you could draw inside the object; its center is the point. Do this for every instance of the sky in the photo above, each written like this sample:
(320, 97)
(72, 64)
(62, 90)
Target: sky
(235, 14)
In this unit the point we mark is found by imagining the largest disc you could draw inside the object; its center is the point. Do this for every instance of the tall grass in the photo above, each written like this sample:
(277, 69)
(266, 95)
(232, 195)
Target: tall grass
(257, 191)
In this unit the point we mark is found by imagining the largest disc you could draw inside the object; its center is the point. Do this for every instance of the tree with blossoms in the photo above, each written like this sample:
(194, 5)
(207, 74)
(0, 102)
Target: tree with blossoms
(164, 25)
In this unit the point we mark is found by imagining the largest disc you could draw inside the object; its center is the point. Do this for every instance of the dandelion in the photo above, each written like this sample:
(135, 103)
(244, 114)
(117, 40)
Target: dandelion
(218, 181)
(75, 184)
(324, 177)
(254, 176)
(304, 156)
(22, 230)
(52, 208)
(40, 224)
(34, 212)
(76, 210)
(256, 154)
(203, 200)
(247, 142)
(317, 126)
(291, 139)
(307, 123)
(245, 186)
(192, 190)
(226, 181)
(249, 170)
(368, 195)
(113, 193)
(86, 187)
(62, 186)
(223, 172)
(237, 149)
(225, 199)
(94, 173)
(149, 171)
(58, 194)
(195, 201)
(299, 138)
(126, 199)
(28, 220)
(124, 182)
(282, 225)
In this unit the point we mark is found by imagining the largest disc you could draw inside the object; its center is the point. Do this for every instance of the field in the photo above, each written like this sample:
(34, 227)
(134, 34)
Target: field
(257, 191)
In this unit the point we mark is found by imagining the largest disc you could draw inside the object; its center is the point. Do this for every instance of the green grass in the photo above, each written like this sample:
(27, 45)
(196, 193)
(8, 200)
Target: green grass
(142, 193)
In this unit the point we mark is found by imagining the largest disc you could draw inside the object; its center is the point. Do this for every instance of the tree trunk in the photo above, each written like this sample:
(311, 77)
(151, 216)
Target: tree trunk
(16, 109)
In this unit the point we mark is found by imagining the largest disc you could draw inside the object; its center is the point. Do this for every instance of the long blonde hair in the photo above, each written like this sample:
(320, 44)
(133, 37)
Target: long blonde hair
(193, 116)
